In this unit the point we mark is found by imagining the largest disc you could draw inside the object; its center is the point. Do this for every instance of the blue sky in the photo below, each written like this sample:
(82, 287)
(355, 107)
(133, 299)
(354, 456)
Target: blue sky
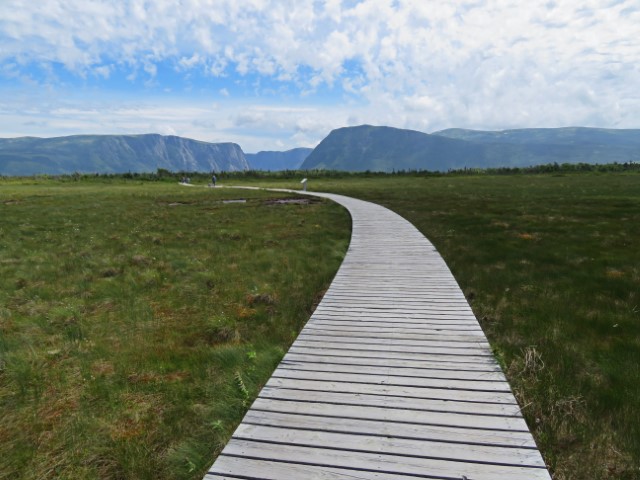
(273, 75)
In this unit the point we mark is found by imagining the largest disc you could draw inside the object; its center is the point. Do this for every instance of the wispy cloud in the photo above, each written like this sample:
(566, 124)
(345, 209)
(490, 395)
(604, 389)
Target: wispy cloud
(419, 64)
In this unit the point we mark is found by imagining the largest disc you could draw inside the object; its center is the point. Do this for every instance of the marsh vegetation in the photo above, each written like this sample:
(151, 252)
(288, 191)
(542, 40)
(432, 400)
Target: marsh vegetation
(138, 319)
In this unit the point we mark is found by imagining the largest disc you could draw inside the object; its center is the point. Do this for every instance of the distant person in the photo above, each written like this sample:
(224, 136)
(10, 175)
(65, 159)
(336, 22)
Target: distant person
(213, 180)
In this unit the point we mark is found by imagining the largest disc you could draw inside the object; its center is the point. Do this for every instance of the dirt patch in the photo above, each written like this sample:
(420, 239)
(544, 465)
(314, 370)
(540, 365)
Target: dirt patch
(527, 236)
(614, 273)
(260, 298)
(291, 201)
(175, 204)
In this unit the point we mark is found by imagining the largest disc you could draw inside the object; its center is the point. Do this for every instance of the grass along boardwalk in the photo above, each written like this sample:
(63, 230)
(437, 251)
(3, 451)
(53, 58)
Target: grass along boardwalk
(391, 378)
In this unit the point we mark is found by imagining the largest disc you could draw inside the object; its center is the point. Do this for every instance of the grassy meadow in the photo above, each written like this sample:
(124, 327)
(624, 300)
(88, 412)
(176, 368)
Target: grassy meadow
(551, 266)
(139, 320)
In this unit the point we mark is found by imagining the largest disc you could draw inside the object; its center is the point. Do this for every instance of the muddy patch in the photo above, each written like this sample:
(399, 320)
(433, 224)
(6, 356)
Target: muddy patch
(291, 201)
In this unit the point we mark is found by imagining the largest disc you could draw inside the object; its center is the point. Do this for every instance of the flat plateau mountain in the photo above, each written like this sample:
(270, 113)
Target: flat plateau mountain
(386, 149)
(269, 160)
(359, 148)
(116, 154)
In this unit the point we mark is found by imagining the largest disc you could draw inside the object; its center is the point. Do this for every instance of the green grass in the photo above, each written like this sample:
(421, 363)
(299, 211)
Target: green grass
(551, 266)
(138, 321)
(549, 263)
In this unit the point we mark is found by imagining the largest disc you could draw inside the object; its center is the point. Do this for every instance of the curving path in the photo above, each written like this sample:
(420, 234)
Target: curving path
(391, 378)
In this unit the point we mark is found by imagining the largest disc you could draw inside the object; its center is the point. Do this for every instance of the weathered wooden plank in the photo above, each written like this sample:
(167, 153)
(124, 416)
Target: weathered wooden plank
(408, 324)
(398, 283)
(390, 380)
(397, 308)
(382, 409)
(462, 360)
(389, 429)
(426, 319)
(425, 356)
(423, 323)
(391, 372)
(392, 443)
(397, 333)
(391, 464)
(416, 291)
(228, 467)
(428, 307)
(394, 351)
(390, 315)
(390, 338)
(394, 338)
(424, 347)
(360, 289)
(447, 394)
(447, 368)
(385, 298)
(409, 296)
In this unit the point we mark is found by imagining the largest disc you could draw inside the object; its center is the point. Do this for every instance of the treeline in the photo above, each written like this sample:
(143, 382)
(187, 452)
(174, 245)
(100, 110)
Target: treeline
(536, 169)
(554, 168)
(162, 175)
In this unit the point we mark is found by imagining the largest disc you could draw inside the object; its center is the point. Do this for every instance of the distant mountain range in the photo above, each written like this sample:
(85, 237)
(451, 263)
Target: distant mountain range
(385, 149)
(351, 149)
(269, 161)
(116, 154)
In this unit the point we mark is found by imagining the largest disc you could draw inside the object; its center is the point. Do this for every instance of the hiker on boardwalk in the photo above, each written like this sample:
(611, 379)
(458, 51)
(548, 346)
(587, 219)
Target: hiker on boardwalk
(213, 180)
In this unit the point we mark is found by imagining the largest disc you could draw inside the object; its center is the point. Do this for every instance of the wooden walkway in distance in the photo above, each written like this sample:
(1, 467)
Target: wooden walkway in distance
(391, 378)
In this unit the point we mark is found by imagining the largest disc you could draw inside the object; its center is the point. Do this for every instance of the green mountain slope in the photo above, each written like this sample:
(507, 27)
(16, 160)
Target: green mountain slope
(116, 154)
(385, 149)
(573, 136)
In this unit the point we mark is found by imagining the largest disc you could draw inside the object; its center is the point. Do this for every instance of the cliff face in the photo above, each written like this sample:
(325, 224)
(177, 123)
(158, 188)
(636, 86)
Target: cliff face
(116, 154)
(177, 153)
(385, 149)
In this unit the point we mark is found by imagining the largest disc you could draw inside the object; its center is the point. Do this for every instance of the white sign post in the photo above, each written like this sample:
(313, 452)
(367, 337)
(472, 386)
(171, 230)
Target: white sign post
(304, 184)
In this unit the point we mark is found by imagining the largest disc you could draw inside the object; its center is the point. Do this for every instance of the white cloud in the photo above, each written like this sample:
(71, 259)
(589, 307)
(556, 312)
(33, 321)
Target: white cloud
(189, 62)
(103, 71)
(422, 64)
(151, 69)
(259, 127)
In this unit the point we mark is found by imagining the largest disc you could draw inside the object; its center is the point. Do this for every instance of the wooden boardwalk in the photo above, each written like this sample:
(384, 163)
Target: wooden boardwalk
(391, 378)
